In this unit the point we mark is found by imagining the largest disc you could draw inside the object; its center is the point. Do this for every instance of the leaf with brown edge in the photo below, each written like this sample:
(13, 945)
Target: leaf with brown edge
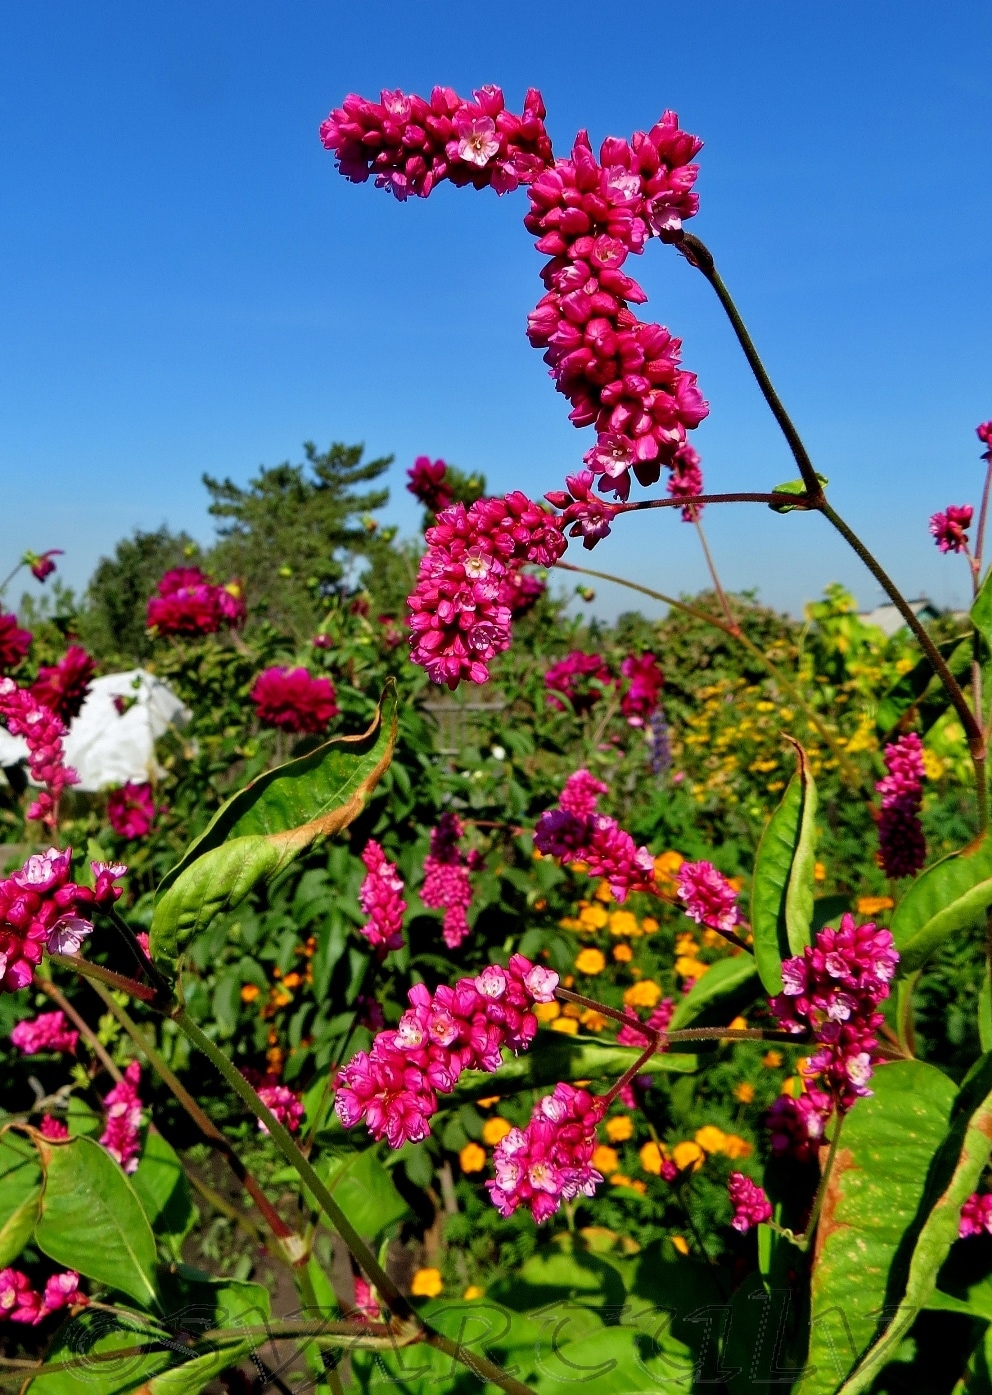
(267, 825)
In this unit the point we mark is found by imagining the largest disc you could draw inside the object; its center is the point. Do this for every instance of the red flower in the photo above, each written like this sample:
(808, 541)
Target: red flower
(189, 603)
(292, 700)
(42, 565)
(131, 810)
(571, 677)
(62, 687)
(426, 483)
(14, 642)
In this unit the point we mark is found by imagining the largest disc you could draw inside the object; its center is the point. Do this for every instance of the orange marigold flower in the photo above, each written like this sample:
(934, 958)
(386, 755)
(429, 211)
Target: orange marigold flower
(427, 1283)
(592, 1020)
(547, 1012)
(688, 1154)
(736, 1147)
(744, 1092)
(620, 1128)
(590, 962)
(643, 994)
(711, 1139)
(619, 1180)
(568, 1025)
(681, 1244)
(605, 1159)
(624, 923)
(652, 1155)
(472, 1158)
(872, 905)
(250, 992)
(495, 1129)
(772, 1059)
(473, 1291)
(623, 954)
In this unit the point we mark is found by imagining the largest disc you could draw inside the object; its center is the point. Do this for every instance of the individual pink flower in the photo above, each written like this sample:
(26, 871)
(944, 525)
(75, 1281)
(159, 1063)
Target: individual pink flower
(14, 642)
(46, 1032)
(578, 677)
(950, 528)
(381, 898)
(41, 563)
(52, 1128)
(291, 699)
(645, 679)
(18, 1300)
(365, 1302)
(62, 1291)
(426, 482)
(447, 885)
(707, 896)
(551, 1160)
(131, 810)
(62, 687)
(901, 845)
(976, 1215)
(122, 1124)
(751, 1205)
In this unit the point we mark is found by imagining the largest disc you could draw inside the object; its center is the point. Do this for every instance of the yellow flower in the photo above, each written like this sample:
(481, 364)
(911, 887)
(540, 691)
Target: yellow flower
(819, 872)
(473, 1291)
(472, 1158)
(605, 1159)
(744, 1092)
(593, 917)
(736, 1147)
(793, 1087)
(572, 1010)
(292, 980)
(711, 1139)
(603, 892)
(568, 1025)
(933, 766)
(765, 706)
(623, 954)
(426, 1283)
(772, 1059)
(590, 961)
(643, 994)
(687, 967)
(681, 1244)
(648, 925)
(619, 1180)
(620, 1128)
(652, 1155)
(250, 992)
(687, 1154)
(489, 1101)
(686, 943)
(592, 1020)
(871, 905)
(547, 1012)
(667, 865)
(624, 923)
(495, 1129)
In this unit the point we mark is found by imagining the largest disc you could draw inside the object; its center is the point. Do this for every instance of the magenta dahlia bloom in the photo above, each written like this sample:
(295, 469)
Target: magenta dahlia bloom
(46, 1032)
(62, 687)
(381, 898)
(291, 699)
(122, 1123)
(576, 677)
(641, 698)
(189, 603)
(394, 1087)
(976, 1215)
(707, 896)
(447, 885)
(751, 1205)
(551, 1160)
(950, 528)
(902, 846)
(14, 642)
(131, 810)
(427, 483)
(574, 832)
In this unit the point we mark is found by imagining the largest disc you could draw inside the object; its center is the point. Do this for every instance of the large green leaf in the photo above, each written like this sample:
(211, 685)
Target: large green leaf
(164, 1192)
(364, 1190)
(267, 825)
(92, 1221)
(726, 979)
(981, 609)
(887, 1147)
(20, 1195)
(95, 1354)
(949, 896)
(194, 1376)
(782, 892)
(960, 1164)
(922, 690)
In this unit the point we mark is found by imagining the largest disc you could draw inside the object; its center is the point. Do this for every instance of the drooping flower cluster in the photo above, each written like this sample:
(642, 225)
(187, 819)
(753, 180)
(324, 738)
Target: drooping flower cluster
(976, 1215)
(984, 434)
(62, 687)
(751, 1205)
(460, 612)
(381, 898)
(447, 885)
(796, 1127)
(901, 844)
(40, 908)
(833, 991)
(551, 1160)
(575, 832)
(686, 481)
(43, 730)
(46, 1032)
(14, 642)
(707, 896)
(950, 528)
(131, 810)
(189, 603)
(122, 1123)
(645, 679)
(590, 515)
(426, 482)
(395, 1086)
(291, 699)
(578, 677)
(410, 144)
(21, 1303)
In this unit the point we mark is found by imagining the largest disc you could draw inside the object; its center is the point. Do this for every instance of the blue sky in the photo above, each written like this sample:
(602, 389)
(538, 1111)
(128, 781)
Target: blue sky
(188, 285)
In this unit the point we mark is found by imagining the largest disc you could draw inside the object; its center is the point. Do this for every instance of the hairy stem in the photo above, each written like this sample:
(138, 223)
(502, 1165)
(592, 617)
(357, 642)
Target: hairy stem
(81, 966)
(776, 498)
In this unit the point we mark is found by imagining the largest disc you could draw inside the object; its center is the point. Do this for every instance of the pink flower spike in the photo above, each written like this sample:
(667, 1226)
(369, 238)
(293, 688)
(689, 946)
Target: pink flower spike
(751, 1205)
(122, 1124)
(381, 898)
(901, 843)
(708, 897)
(950, 528)
(46, 1032)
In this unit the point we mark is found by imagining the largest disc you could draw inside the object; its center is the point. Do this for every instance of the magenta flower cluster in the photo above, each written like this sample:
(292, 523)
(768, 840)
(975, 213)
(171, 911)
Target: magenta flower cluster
(901, 844)
(394, 1087)
(645, 681)
(550, 1161)
(426, 482)
(62, 687)
(122, 1119)
(46, 1032)
(14, 642)
(575, 832)
(381, 898)
(21, 1303)
(589, 515)
(950, 528)
(460, 613)
(131, 810)
(447, 885)
(976, 1215)
(751, 1205)
(291, 699)
(578, 677)
(280, 1100)
(189, 603)
(707, 896)
(832, 991)
(658, 1021)
(43, 730)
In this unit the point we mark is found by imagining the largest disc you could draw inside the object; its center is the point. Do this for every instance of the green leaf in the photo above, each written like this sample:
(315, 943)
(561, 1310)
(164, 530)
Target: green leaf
(99, 1356)
(949, 896)
(164, 1192)
(887, 1146)
(981, 610)
(792, 487)
(92, 1221)
(20, 1196)
(267, 825)
(194, 1376)
(985, 1013)
(922, 690)
(727, 978)
(364, 1190)
(782, 893)
(960, 1164)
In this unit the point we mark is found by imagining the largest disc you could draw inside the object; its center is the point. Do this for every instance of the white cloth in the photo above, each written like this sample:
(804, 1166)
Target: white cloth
(106, 747)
